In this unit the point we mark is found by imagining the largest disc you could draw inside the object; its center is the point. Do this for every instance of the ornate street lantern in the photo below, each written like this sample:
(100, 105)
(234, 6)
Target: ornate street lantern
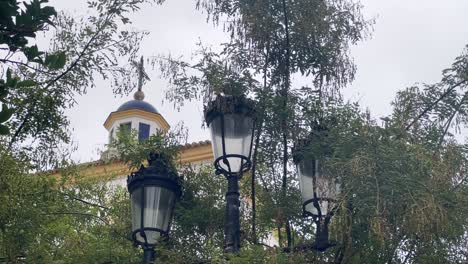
(231, 121)
(319, 190)
(153, 193)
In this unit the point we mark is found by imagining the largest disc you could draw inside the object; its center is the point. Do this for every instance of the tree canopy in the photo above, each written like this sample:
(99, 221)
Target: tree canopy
(404, 191)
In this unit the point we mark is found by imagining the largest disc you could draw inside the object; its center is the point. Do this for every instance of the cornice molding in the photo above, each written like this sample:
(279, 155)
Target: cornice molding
(156, 117)
(196, 153)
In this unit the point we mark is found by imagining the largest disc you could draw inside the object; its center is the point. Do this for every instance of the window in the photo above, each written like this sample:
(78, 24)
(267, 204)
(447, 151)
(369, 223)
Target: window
(143, 131)
(125, 128)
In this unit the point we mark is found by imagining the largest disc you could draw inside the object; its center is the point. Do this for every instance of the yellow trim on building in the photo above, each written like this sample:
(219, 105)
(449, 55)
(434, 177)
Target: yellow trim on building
(106, 171)
(197, 154)
(156, 117)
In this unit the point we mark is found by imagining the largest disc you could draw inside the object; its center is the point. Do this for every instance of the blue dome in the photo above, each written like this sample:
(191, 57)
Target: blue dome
(138, 104)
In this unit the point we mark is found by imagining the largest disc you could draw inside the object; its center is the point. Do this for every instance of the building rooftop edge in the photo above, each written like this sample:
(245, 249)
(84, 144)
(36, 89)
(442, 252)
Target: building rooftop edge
(101, 161)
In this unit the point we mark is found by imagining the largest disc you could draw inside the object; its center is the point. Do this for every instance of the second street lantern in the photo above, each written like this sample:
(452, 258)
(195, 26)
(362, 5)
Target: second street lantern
(319, 190)
(231, 120)
(153, 193)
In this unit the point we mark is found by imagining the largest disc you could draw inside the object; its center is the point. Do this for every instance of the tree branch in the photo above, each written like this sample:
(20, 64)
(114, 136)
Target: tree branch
(254, 167)
(460, 183)
(75, 213)
(449, 121)
(82, 53)
(61, 75)
(84, 201)
(25, 65)
(20, 128)
(429, 108)
(285, 117)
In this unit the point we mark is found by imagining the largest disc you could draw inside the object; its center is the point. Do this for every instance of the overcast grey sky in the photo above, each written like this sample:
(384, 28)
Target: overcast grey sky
(413, 40)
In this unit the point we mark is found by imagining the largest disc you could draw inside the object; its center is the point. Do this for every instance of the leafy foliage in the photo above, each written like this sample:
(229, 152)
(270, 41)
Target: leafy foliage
(403, 189)
(44, 220)
(404, 184)
(98, 45)
(127, 148)
(270, 42)
(16, 25)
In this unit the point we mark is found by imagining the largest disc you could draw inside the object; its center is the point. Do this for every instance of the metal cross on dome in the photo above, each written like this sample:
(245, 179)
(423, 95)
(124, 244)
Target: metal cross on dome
(142, 76)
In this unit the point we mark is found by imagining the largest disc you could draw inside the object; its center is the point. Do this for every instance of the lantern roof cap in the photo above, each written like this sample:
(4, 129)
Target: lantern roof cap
(159, 172)
(228, 104)
(313, 141)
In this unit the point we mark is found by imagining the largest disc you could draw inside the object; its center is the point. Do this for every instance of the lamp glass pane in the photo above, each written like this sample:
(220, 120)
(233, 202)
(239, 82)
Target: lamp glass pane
(310, 180)
(159, 203)
(136, 209)
(307, 172)
(311, 209)
(238, 139)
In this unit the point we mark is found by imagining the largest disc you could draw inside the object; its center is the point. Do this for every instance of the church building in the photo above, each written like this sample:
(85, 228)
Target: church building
(143, 117)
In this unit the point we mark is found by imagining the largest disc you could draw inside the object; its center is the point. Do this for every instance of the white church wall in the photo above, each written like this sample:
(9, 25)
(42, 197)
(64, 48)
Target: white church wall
(154, 127)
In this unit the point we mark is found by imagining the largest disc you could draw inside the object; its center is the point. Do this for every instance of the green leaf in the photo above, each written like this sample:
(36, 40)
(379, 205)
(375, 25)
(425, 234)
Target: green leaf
(32, 54)
(55, 61)
(3, 90)
(8, 74)
(11, 81)
(6, 113)
(4, 130)
(26, 83)
(125, 20)
(48, 11)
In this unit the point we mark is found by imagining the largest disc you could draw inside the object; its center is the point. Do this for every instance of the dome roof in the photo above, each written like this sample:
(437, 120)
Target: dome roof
(138, 104)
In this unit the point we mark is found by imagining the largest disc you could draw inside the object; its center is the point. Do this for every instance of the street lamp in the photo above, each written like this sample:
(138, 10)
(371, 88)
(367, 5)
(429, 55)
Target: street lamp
(231, 121)
(319, 190)
(153, 193)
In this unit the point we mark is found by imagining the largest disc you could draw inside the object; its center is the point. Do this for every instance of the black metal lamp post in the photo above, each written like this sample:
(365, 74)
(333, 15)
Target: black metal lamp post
(153, 193)
(231, 120)
(319, 191)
